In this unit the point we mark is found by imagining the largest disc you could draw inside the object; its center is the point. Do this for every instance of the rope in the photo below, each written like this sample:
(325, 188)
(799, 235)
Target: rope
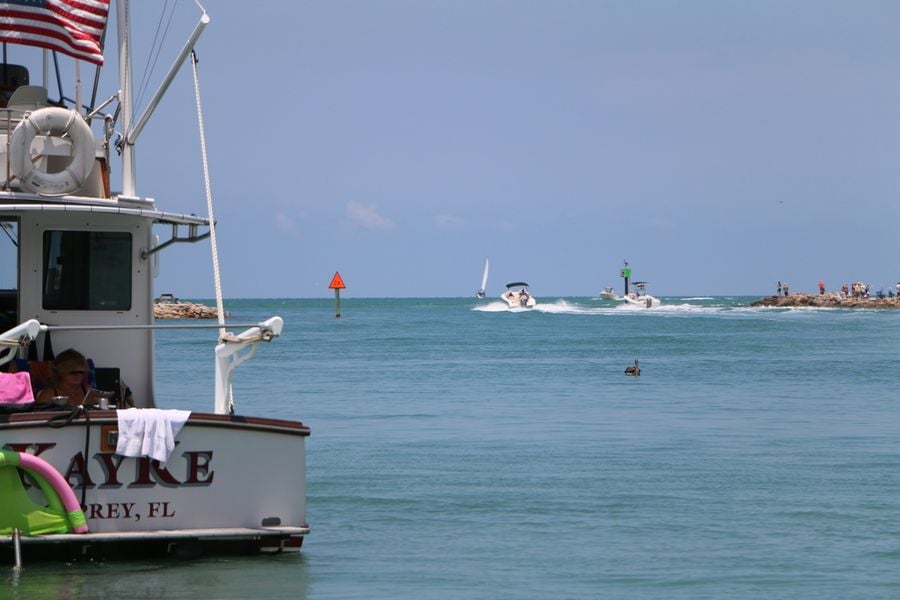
(209, 207)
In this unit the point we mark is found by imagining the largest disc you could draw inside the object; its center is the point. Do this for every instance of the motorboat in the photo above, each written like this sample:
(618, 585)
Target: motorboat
(518, 296)
(90, 479)
(609, 294)
(639, 296)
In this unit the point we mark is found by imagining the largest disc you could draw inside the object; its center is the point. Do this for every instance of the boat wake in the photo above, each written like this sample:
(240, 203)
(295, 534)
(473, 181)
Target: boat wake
(595, 306)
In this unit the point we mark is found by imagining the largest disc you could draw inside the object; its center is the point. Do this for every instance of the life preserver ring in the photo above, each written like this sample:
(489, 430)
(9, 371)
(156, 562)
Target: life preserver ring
(53, 121)
(51, 483)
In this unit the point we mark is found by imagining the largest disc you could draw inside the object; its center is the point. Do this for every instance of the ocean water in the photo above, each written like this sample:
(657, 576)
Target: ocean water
(462, 450)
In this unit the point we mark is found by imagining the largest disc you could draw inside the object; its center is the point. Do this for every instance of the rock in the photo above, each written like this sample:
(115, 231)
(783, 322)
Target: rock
(184, 310)
(829, 300)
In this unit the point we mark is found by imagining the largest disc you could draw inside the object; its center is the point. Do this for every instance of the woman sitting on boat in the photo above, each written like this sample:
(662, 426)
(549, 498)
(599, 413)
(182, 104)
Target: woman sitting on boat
(67, 379)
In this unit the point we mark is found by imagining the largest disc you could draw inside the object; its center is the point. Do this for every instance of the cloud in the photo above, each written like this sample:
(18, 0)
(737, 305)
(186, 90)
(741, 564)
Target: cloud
(448, 221)
(366, 216)
(285, 224)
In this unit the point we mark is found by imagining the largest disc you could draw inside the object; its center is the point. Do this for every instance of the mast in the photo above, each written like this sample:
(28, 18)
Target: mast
(123, 26)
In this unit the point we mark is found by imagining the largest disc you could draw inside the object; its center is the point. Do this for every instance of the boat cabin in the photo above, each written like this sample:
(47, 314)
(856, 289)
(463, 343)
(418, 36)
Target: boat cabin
(68, 272)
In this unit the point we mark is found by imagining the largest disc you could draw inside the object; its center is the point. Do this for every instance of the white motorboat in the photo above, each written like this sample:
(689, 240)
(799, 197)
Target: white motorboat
(518, 296)
(640, 297)
(609, 294)
(99, 483)
(484, 276)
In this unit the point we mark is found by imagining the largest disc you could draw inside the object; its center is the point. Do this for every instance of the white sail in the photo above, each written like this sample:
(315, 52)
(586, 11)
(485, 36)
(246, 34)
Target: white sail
(480, 293)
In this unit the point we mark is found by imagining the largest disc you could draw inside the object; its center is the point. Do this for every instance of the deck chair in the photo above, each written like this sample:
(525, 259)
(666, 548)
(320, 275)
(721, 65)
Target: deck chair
(28, 97)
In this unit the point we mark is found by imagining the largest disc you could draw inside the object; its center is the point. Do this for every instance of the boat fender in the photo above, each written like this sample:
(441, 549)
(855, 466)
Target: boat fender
(52, 121)
(45, 470)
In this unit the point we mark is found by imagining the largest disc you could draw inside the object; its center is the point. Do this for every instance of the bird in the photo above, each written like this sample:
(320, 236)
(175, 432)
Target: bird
(633, 370)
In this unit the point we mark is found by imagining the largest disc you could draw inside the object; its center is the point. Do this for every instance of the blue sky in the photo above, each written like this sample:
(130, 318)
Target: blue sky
(719, 146)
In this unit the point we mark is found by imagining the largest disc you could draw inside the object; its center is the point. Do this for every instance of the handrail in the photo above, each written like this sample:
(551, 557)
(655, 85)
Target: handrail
(23, 334)
(234, 350)
(18, 337)
(146, 327)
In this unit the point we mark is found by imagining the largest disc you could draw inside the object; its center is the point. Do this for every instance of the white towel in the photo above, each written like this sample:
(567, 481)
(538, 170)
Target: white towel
(149, 432)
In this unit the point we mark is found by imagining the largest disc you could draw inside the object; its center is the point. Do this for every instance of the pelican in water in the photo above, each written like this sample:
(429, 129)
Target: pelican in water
(633, 370)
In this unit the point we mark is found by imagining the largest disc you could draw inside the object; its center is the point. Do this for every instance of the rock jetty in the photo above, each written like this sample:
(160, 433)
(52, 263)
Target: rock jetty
(829, 300)
(184, 310)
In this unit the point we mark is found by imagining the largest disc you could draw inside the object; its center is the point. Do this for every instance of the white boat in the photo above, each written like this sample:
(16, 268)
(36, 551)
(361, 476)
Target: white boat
(482, 290)
(609, 294)
(84, 257)
(518, 296)
(640, 297)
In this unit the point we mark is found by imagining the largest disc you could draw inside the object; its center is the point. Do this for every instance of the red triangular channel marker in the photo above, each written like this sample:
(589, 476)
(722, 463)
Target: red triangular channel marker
(336, 282)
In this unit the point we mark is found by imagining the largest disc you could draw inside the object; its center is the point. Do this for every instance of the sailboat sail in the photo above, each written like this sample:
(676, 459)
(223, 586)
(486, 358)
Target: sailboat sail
(73, 28)
(480, 293)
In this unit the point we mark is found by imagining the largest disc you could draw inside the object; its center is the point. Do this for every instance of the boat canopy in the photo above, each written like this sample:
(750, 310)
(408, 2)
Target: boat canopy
(516, 284)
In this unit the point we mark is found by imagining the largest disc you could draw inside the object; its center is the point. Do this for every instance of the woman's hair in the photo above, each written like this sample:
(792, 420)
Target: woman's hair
(68, 361)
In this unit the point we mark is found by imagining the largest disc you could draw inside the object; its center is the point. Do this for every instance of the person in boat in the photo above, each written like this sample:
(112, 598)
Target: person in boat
(67, 378)
(523, 297)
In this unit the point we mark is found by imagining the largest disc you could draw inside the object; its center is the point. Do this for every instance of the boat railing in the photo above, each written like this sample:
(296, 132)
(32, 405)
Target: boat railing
(236, 349)
(16, 338)
(232, 350)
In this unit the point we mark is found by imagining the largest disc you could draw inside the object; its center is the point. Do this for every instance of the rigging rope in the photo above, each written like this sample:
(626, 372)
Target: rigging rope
(209, 207)
(155, 51)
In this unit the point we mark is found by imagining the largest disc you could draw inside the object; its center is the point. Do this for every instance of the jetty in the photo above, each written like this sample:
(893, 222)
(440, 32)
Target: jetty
(184, 310)
(828, 300)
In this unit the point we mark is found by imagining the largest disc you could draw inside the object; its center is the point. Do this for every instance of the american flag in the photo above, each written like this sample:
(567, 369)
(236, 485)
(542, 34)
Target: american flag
(73, 27)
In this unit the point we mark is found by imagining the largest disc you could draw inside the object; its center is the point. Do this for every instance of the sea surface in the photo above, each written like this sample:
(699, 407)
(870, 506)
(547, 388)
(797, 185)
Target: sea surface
(462, 450)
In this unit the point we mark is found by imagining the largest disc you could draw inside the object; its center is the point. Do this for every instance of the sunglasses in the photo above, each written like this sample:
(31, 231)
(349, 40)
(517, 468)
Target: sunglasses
(76, 372)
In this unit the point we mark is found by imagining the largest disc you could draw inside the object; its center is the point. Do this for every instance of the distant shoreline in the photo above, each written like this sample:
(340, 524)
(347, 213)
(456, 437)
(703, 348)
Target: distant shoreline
(184, 310)
(829, 300)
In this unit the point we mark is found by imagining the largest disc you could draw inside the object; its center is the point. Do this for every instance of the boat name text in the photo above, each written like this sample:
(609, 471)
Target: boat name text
(146, 472)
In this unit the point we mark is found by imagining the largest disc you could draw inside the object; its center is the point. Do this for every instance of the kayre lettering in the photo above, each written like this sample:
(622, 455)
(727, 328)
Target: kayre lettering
(108, 470)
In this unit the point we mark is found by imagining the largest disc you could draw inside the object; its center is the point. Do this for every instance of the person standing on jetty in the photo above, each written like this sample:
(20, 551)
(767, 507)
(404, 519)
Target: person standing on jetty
(779, 289)
(786, 288)
(821, 287)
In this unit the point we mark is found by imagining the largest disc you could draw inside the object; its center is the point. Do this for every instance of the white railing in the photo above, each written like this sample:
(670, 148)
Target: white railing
(236, 349)
(232, 350)
(18, 337)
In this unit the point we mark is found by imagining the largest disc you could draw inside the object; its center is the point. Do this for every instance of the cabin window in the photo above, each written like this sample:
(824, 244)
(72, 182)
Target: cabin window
(87, 270)
(9, 253)
(9, 273)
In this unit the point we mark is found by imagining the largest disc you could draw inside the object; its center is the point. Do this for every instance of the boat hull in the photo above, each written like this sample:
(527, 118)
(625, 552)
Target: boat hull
(230, 480)
(643, 301)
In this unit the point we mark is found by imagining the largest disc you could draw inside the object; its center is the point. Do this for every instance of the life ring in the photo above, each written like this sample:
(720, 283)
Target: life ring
(53, 121)
(52, 484)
